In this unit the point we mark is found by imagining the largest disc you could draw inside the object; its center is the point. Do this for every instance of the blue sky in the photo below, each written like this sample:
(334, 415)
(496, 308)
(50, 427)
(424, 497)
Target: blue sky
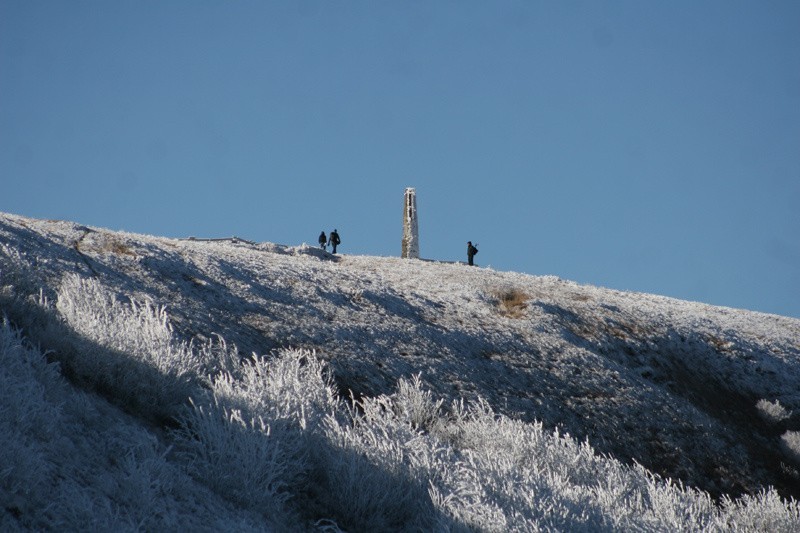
(638, 145)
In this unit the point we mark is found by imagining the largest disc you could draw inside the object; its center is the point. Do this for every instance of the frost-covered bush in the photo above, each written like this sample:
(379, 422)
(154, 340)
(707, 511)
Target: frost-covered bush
(138, 329)
(791, 444)
(764, 511)
(129, 351)
(417, 406)
(277, 441)
(772, 412)
(490, 473)
(373, 472)
(251, 440)
(245, 461)
(293, 385)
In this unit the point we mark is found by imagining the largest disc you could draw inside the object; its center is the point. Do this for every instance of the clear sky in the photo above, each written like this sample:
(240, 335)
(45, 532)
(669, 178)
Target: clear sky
(639, 145)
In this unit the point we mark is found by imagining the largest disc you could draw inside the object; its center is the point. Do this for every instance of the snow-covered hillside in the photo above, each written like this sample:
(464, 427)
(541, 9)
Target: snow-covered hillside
(705, 395)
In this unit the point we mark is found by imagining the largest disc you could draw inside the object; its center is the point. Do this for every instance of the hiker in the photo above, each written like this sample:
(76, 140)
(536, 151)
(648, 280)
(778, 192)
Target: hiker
(334, 240)
(471, 251)
(323, 241)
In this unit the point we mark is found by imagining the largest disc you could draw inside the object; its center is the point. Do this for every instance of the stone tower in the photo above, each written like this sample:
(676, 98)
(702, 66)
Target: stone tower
(410, 248)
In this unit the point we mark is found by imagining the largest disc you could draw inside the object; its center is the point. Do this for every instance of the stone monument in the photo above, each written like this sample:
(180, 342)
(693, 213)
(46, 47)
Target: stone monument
(410, 247)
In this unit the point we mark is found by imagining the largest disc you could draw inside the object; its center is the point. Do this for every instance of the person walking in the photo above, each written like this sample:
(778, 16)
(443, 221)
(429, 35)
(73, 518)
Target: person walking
(471, 251)
(323, 241)
(334, 240)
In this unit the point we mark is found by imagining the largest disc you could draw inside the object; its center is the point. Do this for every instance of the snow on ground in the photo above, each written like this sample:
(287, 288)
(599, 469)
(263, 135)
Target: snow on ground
(683, 388)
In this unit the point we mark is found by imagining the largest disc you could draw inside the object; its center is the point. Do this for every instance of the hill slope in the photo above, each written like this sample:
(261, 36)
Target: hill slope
(701, 394)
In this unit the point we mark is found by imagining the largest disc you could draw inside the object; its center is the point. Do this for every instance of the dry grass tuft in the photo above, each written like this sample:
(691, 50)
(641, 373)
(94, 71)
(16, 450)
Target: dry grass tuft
(116, 247)
(512, 302)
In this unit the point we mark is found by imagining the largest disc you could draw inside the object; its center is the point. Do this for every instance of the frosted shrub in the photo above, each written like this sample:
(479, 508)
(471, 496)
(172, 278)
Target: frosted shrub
(245, 461)
(764, 511)
(293, 385)
(674, 506)
(417, 406)
(138, 329)
(251, 440)
(129, 350)
(509, 475)
(512, 476)
(372, 475)
(141, 330)
(772, 412)
(791, 444)
(371, 467)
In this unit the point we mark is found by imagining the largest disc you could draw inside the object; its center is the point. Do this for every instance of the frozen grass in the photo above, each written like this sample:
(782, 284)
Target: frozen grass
(250, 441)
(71, 462)
(266, 443)
(271, 439)
(129, 348)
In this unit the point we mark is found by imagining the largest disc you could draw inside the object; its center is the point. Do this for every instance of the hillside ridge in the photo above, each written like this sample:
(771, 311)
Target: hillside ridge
(682, 388)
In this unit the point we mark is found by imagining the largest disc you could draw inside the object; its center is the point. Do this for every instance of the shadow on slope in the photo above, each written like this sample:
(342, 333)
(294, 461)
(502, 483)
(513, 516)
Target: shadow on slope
(687, 365)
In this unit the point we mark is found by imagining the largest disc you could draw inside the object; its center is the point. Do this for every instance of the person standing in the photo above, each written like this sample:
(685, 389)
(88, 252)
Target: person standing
(323, 241)
(334, 240)
(471, 251)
